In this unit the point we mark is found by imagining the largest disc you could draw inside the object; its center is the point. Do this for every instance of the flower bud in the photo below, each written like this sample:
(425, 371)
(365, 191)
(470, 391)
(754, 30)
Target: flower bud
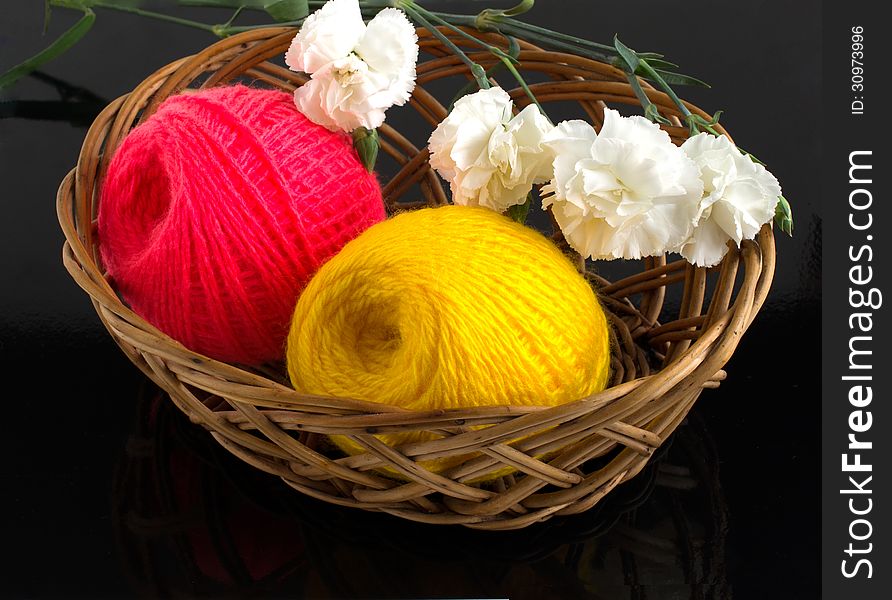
(365, 141)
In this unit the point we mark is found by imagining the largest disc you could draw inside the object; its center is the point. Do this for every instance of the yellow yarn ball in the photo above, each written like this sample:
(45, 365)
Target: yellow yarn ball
(452, 307)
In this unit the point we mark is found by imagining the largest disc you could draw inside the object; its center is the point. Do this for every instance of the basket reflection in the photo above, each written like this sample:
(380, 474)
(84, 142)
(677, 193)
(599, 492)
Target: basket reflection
(191, 520)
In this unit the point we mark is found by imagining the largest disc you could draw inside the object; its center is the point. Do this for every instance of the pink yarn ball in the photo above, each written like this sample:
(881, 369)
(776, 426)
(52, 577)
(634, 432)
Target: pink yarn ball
(217, 210)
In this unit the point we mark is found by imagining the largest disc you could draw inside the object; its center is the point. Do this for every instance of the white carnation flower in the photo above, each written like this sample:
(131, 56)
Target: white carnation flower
(330, 33)
(739, 196)
(356, 71)
(489, 157)
(626, 192)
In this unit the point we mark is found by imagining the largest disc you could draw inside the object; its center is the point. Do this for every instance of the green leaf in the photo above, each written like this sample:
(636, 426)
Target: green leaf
(81, 5)
(679, 79)
(659, 64)
(287, 10)
(519, 212)
(783, 216)
(47, 14)
(62, 43)
(128, 3)
(627, 54)
(248, 4)
(280, 10)
(522, 7)
(513, 46)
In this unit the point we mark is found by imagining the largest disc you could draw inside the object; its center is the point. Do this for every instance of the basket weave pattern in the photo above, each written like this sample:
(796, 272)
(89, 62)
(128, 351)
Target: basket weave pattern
(566, 458)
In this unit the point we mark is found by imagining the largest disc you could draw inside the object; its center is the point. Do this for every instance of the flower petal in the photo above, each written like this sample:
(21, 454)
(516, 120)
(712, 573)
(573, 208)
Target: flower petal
(389, 44)
(707, 245)
(390, 47)
(635, 129)
(571, 137)
(597, 178)
(338, 108)
(330, 33)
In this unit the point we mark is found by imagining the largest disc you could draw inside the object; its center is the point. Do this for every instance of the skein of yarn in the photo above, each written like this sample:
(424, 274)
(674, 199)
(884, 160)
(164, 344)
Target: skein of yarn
(452, 307)
(217, 210)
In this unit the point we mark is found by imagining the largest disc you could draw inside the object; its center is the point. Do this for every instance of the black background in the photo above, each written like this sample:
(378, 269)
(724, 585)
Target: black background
(75, 410)
(851, 133)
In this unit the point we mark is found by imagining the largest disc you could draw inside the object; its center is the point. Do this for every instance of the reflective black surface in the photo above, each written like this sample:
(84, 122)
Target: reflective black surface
(109, 492)
(188, 520)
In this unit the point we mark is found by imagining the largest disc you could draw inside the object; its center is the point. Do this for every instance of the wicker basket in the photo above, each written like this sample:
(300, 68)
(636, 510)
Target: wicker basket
(660, 364)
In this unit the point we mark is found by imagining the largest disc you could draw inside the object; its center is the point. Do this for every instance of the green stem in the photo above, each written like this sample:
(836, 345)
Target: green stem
(547, 34)
(495, 20)
(259, 6)
(367, 13)
(145, 13)
(468, 88)
(523, 84)
(658, 79)
(555, 44)
(507, 60)
(476, 70)
(650, 109)
(498, 52)
(459, 20)
(223, 31)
